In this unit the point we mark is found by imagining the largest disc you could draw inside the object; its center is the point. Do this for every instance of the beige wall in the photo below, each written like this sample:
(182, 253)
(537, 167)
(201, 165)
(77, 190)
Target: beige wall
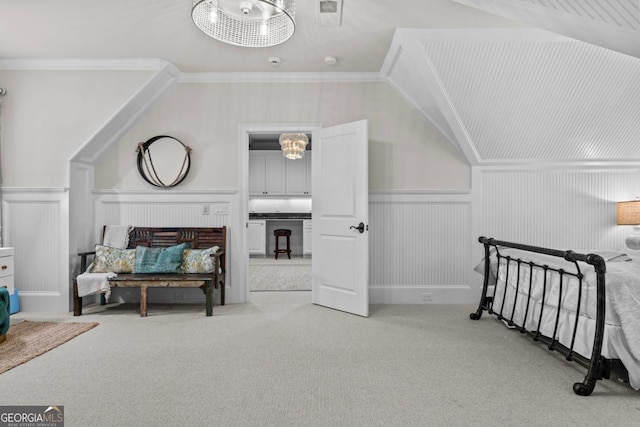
(47, 116)
(405, 152)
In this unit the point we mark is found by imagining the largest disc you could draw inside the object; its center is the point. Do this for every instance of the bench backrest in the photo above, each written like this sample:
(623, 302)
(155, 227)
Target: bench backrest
(198, 237)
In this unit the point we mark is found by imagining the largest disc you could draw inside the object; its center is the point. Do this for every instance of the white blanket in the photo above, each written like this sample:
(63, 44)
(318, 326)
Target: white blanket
(623, 291)
(91, 283)
(115, 236)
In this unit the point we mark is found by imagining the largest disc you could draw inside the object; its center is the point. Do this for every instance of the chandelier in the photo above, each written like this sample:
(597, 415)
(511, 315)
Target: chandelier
(249, 23)
(293, 145)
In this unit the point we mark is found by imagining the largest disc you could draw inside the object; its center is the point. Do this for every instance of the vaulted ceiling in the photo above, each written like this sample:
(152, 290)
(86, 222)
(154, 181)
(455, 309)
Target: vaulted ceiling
(503, 80)
(521, 95)
(529, 95)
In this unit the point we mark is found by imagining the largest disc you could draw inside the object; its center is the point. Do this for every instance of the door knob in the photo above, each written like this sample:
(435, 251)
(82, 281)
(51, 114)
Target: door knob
(360, 227)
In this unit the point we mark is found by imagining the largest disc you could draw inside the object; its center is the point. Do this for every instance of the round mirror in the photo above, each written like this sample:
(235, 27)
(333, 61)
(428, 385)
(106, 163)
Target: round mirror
(163, 161)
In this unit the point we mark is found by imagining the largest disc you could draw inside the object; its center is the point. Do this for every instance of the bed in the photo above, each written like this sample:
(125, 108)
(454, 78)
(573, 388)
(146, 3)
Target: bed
(583, 304)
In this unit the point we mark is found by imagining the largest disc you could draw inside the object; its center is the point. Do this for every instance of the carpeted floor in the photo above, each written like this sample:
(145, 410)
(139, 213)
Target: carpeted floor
(269, 274)
(27, 340)
(280, 360)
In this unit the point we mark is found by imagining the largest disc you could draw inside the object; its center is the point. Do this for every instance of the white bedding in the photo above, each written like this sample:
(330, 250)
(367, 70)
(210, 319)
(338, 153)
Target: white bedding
(622, 308)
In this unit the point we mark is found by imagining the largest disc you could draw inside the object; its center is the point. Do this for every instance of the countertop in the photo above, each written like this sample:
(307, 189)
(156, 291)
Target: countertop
(279, 215)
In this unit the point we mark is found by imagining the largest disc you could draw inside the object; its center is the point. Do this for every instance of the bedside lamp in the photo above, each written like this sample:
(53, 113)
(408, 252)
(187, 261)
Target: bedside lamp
(628, 213)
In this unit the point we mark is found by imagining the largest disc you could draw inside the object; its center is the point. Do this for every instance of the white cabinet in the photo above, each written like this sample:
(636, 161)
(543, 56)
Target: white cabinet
(306, 237)
(257, 237)
(266, 173)
(298, 176)
(270, 174)
(6, 269)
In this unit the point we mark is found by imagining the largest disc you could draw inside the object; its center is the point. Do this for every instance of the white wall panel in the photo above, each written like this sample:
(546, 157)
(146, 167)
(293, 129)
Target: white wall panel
(162, 214)
(561, 209)
(35, 224)
(420, 245)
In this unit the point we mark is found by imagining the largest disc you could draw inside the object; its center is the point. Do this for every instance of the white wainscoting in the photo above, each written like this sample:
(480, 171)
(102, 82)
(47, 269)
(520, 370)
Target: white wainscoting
(36, 224)
(174, 209)
(556, 208)
(420, 248)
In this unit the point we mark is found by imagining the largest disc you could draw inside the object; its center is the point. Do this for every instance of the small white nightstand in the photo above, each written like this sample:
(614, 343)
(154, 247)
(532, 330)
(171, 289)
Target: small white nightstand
(6, 269)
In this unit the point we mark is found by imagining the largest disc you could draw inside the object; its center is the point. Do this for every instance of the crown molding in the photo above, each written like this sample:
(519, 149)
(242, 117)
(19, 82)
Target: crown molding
(213, 77)
(276, 77)
(83, 64)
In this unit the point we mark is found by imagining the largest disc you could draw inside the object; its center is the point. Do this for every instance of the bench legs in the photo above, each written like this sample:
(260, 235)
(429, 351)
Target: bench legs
(143, 301)
(77, 301)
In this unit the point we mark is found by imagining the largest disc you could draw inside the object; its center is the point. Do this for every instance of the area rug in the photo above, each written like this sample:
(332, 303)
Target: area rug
(27, 340)
(289, 277)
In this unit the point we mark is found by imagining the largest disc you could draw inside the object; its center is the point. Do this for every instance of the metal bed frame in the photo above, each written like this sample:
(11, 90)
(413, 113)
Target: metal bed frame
(598, 367)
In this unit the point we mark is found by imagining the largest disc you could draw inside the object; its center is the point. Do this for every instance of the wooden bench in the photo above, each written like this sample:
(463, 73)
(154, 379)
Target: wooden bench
(198, 238)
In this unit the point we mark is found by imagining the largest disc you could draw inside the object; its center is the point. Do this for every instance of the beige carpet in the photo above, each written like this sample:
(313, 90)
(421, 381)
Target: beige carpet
(27, 340)
(280, 275)
(282, 361)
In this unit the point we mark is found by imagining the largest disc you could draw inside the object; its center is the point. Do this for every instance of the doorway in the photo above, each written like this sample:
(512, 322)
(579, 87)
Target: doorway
(263, 272)
(340, 213)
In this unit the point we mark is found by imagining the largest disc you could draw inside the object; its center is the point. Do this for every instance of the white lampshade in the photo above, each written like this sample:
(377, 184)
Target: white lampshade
(628, 213)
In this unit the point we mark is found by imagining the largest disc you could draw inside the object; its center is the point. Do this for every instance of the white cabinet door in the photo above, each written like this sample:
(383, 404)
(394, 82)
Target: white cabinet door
(307, 160)
(296, 182)
(274, 173)
(298, 179)
(257, 173)
(307, 231)
(266, 173)
(257, 237)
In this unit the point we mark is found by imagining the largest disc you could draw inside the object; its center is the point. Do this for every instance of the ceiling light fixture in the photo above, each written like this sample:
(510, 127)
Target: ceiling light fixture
(293, 145)
(248, 23)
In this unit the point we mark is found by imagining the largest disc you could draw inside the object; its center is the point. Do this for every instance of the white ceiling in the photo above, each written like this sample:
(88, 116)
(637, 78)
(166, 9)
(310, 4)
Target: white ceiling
(481, 71)
(126, 29)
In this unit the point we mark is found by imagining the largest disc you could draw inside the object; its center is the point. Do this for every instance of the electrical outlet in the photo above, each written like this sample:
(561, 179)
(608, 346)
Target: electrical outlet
(205, 209)
(427, 297)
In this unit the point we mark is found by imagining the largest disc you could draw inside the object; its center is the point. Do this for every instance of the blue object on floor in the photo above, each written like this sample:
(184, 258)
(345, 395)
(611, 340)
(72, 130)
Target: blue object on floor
(14, 302)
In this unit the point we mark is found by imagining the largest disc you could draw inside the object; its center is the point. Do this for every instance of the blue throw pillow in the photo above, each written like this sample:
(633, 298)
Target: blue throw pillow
(159, 260)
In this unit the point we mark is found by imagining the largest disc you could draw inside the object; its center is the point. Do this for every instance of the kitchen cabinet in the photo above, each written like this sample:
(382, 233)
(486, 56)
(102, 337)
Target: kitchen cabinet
(266, 173)
(306, 237)
(257, 237)
(298, 176)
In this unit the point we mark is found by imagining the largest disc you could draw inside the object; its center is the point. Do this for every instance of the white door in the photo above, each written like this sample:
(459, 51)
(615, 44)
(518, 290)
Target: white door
(340, 216)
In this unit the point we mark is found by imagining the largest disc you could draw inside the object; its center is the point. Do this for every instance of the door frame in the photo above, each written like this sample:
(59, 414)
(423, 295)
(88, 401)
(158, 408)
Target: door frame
(244, 130)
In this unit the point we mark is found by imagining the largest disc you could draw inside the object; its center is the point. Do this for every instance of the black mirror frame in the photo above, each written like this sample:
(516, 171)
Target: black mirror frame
(143, 147)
